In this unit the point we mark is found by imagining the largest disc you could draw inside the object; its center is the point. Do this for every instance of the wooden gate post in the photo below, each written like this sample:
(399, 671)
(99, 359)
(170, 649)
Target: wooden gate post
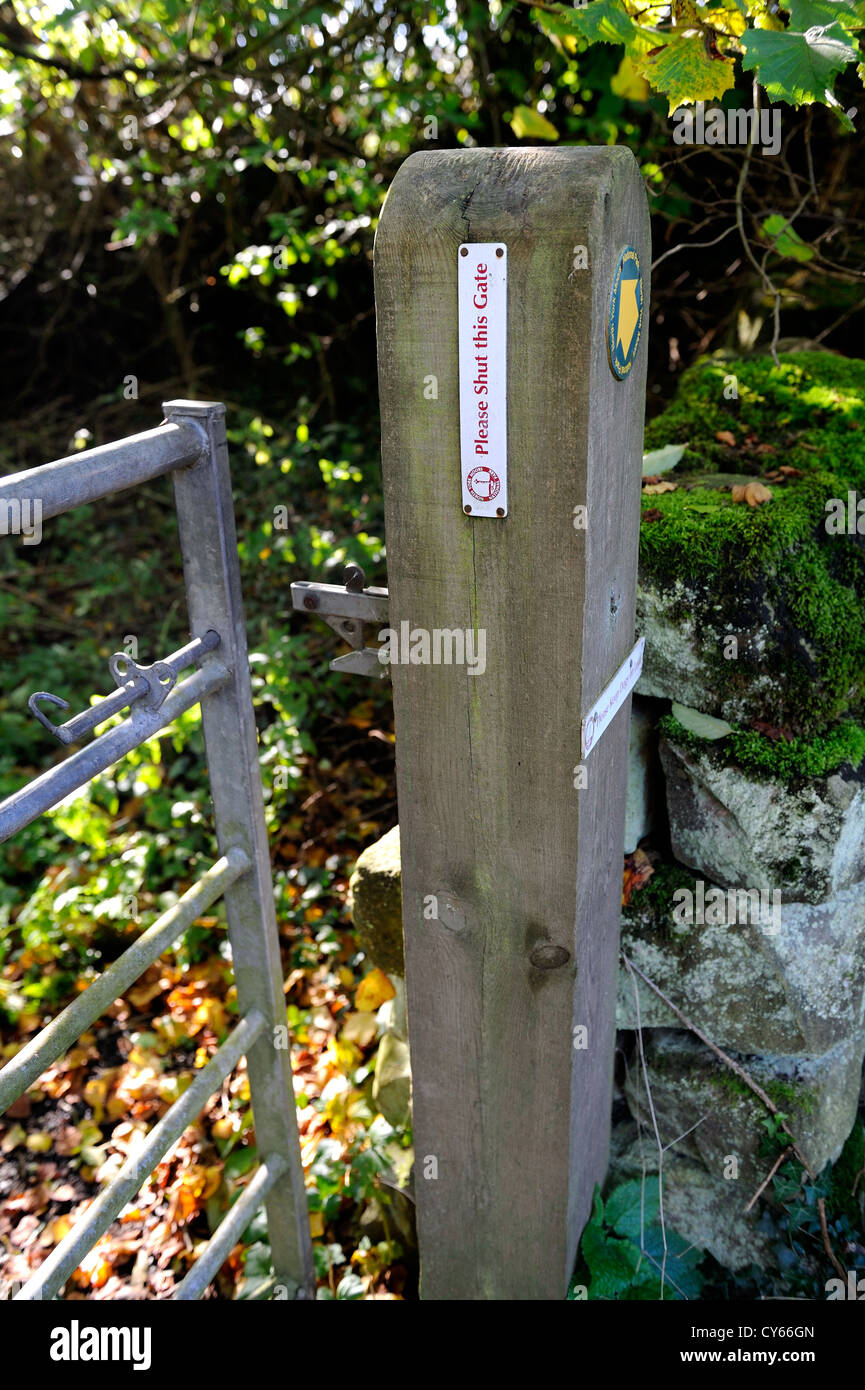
(512, 541)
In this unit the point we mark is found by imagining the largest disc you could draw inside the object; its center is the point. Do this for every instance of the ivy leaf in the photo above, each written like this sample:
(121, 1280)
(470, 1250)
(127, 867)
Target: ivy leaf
(631, 1212)
(787, 241)
(612, 1262)
(526, 121)
(798, 68)
(684, 72)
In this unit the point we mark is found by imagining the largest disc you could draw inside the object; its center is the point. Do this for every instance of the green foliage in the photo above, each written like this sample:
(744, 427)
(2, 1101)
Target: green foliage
(622, 1250)
(799, 67)
(692, 52)
(785, 240)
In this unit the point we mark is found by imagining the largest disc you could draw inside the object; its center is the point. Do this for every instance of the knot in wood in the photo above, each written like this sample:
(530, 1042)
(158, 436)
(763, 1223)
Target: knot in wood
(546, 955)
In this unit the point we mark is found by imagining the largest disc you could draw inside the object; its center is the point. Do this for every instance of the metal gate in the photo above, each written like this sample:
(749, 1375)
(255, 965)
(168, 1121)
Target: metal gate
(191, 445)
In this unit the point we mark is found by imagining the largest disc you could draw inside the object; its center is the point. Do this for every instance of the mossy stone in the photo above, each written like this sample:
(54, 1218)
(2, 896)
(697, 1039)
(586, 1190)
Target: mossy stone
(376, 903)
(695, 1095)
(742, 829)
(797, 988)
(771, 576)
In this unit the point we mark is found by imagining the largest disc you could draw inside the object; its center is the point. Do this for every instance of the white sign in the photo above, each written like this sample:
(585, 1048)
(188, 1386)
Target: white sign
(602, 712)
(482, 282)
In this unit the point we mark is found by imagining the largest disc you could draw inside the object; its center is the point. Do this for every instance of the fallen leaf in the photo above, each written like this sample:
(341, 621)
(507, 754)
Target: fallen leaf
(96, 1093)
(373, 991)
(638, 870)
(771, 731)
(752, 493)
(57, 1230)
(68, 1141)
(659, 460)
(726, 437)
(654, 488)
(14, 1136)
(703, 725)
(63, 1192)
(39, 1143)
(142, 994)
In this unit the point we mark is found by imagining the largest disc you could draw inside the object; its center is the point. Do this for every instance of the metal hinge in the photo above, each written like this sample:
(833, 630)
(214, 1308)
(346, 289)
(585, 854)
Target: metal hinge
(347, 608)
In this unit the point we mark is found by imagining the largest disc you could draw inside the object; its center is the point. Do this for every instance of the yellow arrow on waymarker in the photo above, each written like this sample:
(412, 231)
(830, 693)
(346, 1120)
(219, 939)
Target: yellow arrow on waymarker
(629, 315)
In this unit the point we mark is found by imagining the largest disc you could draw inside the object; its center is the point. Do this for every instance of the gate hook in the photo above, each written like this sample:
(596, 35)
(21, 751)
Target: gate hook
(43, 717)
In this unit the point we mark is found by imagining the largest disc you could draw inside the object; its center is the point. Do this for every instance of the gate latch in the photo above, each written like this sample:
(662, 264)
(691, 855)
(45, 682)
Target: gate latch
(347, 608)
(137, 687)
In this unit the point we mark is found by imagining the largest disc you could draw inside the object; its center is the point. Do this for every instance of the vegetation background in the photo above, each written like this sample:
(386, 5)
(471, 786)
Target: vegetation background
(190, 199)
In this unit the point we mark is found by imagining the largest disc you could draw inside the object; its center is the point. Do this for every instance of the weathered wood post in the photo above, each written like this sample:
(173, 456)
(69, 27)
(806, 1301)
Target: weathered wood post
(511, 314)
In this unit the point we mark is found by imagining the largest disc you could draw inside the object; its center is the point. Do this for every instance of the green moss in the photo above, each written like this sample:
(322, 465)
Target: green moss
(653, 903)
(786, 1095)
(789, 1097)
(776, 758)
(729, 1081)
(773, 566)
(810, 409)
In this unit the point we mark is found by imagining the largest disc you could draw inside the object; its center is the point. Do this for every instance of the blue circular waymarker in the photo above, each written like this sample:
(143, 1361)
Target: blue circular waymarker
(626, 313)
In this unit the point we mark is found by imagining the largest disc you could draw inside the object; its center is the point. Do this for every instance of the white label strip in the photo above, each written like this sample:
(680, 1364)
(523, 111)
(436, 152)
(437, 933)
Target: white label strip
(482, 283)
(604, 709)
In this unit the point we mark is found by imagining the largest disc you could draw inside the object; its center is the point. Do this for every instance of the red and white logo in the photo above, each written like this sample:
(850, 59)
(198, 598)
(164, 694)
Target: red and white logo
(483, 483)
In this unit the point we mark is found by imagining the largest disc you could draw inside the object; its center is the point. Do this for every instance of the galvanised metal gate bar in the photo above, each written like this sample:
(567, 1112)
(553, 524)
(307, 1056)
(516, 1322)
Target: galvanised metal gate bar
(191, 445)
